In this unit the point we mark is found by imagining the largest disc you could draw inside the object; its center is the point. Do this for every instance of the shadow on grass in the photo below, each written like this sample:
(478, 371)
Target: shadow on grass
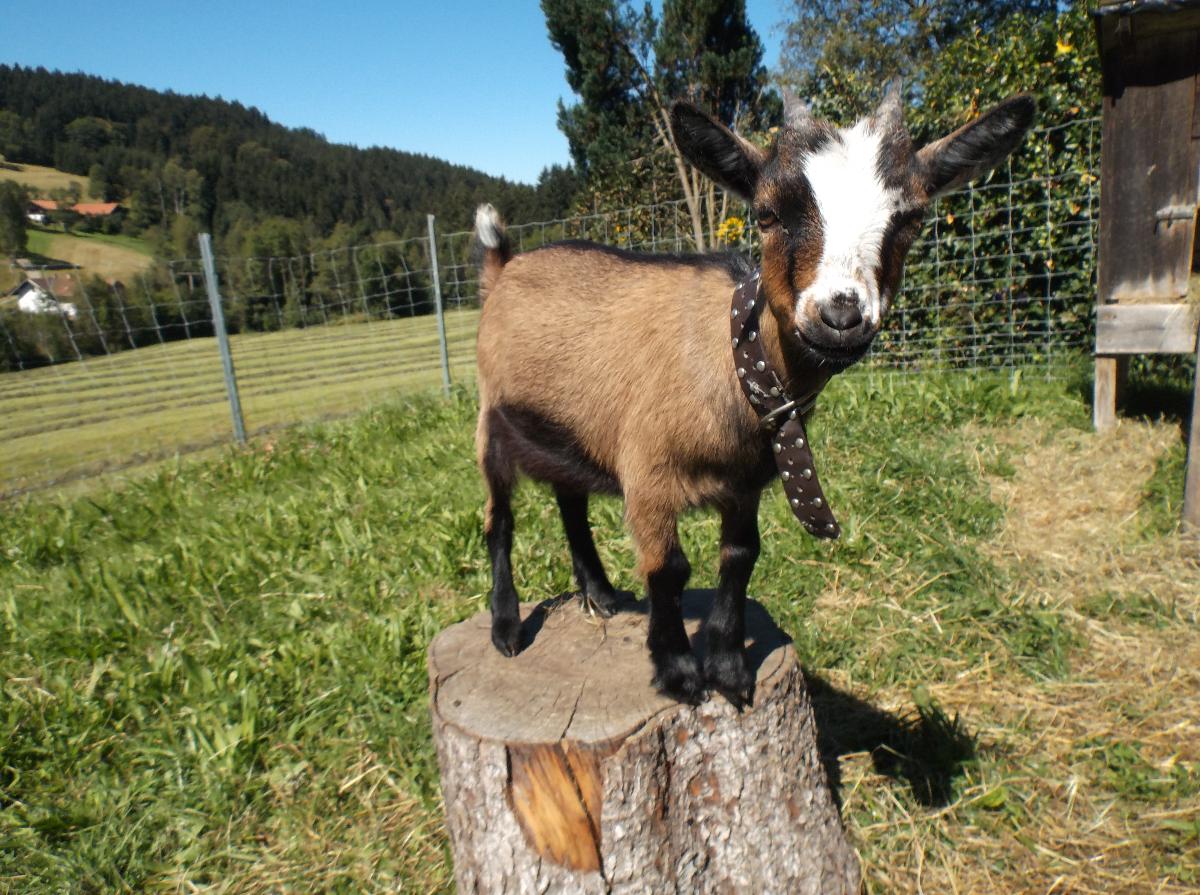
(927, 750)
(1155, 400)
(1157, 387)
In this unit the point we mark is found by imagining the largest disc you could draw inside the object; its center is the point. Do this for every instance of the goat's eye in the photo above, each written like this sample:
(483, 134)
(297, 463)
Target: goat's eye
(767, 219)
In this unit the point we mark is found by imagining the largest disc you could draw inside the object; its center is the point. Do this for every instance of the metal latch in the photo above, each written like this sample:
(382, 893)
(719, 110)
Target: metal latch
(1171, 213)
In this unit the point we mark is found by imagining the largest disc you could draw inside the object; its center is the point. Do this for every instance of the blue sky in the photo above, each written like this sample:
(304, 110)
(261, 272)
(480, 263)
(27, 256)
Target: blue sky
(473, 82)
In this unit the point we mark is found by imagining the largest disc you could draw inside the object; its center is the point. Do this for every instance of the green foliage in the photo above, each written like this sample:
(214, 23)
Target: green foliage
(974, 64)
(219, 162)
(626, 66)
(13, 202)
(705, 51)
(608, 126)
(15, 134)
(840, 53)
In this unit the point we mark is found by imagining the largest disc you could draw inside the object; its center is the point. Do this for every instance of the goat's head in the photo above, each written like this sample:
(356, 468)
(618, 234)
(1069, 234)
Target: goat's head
(838, 208)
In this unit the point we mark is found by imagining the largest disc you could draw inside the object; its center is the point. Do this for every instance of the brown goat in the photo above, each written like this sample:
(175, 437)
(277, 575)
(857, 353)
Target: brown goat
(606, 371)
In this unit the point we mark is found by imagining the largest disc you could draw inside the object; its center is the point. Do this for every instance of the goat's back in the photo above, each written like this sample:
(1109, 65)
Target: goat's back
(629, 353)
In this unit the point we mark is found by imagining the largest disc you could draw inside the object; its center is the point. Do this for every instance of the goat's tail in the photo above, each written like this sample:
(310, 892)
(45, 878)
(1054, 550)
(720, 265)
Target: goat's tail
(495, 245)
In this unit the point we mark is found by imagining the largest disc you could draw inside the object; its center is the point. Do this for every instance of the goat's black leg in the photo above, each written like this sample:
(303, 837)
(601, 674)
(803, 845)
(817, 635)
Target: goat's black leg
(725, 631)
(499, 474)
(661, 559)
(585, 561)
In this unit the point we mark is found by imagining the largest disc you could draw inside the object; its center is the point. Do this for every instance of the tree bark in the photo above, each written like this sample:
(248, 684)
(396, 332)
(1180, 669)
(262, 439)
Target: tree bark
(564, 771)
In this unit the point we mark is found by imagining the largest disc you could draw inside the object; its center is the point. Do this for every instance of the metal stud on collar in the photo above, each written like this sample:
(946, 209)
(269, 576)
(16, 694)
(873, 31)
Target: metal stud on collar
(780, 415)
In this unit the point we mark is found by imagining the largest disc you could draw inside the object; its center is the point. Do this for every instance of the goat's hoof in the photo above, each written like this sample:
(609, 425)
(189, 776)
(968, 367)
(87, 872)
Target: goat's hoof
(603, 603)
(728, 675)
(506, 635)
(677, 676)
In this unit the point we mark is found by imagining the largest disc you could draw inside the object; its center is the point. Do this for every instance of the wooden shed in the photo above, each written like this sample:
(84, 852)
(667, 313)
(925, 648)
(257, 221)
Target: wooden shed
(1149, 264)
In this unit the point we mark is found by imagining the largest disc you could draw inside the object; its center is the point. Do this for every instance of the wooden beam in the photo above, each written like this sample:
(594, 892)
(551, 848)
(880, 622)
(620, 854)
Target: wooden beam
(1145, 329)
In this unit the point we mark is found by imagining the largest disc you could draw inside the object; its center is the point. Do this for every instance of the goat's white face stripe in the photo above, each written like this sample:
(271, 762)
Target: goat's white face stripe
(856, 208)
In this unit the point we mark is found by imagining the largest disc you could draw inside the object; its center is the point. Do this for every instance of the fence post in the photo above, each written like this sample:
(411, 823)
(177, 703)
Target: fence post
(218, 317)
(437, 303)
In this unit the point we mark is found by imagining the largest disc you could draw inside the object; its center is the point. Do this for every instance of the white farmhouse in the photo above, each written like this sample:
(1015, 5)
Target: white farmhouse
(39, 296)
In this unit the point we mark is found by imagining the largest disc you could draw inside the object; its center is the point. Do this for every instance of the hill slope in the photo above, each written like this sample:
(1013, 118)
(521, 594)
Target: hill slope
(218, 163)
(110, 257)
(40, 180)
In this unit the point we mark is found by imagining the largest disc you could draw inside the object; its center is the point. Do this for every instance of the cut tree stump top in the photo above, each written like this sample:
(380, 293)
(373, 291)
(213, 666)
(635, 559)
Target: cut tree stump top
(578, 677)
(563, 770)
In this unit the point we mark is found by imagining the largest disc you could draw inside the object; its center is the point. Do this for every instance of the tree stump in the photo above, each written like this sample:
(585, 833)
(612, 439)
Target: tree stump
(564, 771)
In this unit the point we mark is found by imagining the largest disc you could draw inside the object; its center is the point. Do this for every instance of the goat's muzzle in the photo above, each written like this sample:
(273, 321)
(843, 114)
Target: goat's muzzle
(833, 334)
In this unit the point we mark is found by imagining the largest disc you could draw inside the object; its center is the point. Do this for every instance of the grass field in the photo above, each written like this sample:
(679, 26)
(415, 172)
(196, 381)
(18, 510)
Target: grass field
(110, 257)
(214, 677)
(40, 180)
(122, 411)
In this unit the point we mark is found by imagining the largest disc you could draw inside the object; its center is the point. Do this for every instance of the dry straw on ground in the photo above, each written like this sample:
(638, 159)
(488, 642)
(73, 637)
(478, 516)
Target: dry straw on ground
(1070, 766)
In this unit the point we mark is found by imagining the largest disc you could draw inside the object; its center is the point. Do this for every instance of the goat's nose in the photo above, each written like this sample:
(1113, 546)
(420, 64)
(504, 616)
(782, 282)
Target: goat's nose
(841, 311)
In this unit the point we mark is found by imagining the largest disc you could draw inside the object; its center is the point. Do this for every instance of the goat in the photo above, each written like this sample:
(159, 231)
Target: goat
(606, 371)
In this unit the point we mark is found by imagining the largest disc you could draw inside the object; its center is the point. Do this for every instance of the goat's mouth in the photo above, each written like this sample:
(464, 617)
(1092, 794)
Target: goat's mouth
(832, 349)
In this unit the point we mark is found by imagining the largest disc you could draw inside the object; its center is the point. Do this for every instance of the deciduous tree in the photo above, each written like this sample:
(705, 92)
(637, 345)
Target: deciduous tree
(839, 53)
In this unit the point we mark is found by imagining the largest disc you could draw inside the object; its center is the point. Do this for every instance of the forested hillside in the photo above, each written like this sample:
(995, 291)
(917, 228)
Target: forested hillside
(185, 162)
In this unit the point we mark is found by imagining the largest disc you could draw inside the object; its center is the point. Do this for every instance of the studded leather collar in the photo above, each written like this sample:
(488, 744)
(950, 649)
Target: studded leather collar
(781, 416)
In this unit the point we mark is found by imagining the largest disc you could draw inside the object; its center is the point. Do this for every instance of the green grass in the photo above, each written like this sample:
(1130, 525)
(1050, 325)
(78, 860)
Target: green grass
(40, 239)
(112, 257)
(73, 420)
(40, 180)
(214, 677)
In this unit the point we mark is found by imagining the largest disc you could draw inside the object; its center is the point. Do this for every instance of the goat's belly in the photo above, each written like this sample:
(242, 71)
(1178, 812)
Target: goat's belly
(547, 450)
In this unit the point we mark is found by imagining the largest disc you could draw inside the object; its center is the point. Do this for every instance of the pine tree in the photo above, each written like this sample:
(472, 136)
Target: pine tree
(13, 203)
(626, 67)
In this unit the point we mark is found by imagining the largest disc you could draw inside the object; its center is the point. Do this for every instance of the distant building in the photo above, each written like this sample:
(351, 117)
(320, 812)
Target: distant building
(38, 211)
(98, 209)
(44, 295)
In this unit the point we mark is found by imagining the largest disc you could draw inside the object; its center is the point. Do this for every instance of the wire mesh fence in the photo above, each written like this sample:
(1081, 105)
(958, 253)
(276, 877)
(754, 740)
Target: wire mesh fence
(99, 376)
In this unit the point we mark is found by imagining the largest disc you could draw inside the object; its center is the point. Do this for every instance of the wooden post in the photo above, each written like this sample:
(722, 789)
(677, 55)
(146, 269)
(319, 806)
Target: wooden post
(564, 771)
(1191, 485)
(1111, 373)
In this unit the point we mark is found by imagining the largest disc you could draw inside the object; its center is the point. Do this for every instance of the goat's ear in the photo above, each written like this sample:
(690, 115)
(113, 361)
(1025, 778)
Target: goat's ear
(976, 147)
(716, 150)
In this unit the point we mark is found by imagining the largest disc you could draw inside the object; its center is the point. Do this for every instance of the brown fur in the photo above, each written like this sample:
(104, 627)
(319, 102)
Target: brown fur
(659, 408)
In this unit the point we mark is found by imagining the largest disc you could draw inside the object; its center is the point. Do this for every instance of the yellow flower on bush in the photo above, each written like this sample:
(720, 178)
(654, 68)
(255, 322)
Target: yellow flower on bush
(1063, 47)
(731, 230)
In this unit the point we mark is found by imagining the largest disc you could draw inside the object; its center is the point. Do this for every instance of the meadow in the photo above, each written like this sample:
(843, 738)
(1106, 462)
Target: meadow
(40, 180)
(121, 412)
(112, 257)
(214, 676)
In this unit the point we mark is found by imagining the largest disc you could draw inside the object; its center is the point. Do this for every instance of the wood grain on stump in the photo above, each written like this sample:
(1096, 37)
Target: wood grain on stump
(564, 771)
